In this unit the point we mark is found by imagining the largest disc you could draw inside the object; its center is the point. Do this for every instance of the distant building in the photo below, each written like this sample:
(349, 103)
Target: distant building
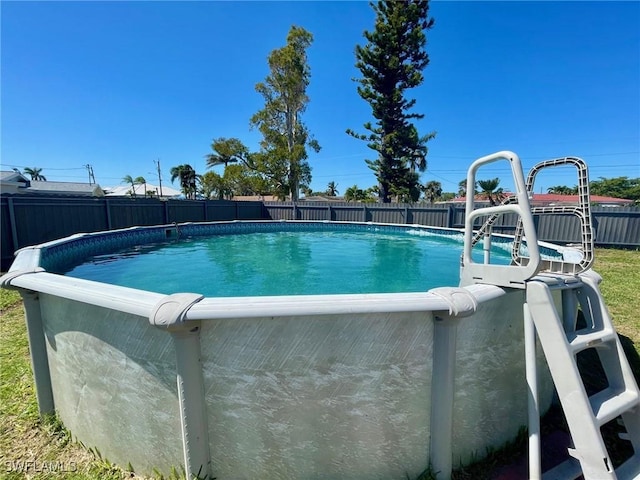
(12, 182)
(557, 199)
(125, 191)
(16, 182)
(66, 188)
(544, 199)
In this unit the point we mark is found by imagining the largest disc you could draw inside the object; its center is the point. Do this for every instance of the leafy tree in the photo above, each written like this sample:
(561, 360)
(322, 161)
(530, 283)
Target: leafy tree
(213, 185)
(332, 189)
(129, 179)
(243, 181)
(462, 188)
(432, 190)
(283, 155)
(35, 174)
(226, 151)
(392, 62)
(562, 190)
(618, 187)
(447, 196)
(491, 191)
(187, 176)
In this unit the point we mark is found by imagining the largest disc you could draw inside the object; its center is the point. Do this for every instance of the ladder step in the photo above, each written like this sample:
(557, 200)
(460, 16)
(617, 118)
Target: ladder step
(568, 470)
(629, 470)
(559, 282)
(609, 403)
(580, 341)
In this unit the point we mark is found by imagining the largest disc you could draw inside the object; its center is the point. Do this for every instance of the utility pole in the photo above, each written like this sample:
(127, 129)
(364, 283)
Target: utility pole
(157, 162)
(92, 178)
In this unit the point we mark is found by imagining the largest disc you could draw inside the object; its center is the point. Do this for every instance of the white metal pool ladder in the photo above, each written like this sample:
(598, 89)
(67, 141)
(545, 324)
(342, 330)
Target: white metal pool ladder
(561, 335)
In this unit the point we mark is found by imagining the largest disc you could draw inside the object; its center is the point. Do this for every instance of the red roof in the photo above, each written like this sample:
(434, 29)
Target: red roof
(549, 198)
(558, 198)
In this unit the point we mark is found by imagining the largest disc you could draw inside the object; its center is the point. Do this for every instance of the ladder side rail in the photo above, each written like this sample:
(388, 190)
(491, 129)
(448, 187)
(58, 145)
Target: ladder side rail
(533, 404)
(580, 417)
(602, 319)
(630, 418)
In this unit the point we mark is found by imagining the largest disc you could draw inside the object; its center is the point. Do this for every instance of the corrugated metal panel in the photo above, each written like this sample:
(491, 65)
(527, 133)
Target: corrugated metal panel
(6, 236)
(617, 226)
(249, 210)
(280, 210)
(220, 210)
(559, 228)
(126, 212)
(186, 211)
(49, 218)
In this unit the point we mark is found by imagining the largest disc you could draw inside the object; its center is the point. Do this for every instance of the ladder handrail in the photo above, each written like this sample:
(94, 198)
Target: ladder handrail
(582, 211)
(501, 275)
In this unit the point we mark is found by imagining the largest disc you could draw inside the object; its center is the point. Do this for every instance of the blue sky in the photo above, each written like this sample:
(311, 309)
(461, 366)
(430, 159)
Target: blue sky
(118, 85)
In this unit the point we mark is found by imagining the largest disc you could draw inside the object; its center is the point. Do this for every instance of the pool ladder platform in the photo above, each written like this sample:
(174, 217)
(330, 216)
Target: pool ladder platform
(561, 335)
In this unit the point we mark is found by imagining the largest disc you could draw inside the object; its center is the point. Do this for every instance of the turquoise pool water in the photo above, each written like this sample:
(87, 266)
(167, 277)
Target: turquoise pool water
(286, 263)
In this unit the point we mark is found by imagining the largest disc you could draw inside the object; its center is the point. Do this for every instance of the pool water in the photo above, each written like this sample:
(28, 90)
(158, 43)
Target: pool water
(286, 263)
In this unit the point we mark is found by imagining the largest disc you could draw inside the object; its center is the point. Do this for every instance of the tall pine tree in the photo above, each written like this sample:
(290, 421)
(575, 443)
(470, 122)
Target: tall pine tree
(392, 62)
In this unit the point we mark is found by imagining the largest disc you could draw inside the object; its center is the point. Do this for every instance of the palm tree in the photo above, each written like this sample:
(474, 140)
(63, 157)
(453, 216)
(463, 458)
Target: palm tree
(129, 179)
(35, 174)
(187, 176)
(226, 151)
(490, 190)
(332, 189)
(462, 188)
(418, 158)
(432, 190)
(355, 194)
(141, 181)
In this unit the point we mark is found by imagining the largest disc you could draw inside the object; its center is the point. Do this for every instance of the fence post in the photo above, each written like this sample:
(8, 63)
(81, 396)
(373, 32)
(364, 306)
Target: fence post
(166, 211)
(329, 212)
(204, 202)
(364, 212)
(107, 208)
(406, 214)
(12, 222)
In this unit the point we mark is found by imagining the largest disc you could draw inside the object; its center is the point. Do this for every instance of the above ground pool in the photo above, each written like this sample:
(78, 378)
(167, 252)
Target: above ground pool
(288, 350)
(337, 259)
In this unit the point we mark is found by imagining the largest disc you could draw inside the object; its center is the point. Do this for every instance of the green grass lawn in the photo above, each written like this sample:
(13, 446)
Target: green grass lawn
(24, 437)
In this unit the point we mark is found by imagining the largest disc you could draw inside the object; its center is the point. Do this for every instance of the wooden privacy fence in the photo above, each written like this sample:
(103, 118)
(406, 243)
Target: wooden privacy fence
(30, 220)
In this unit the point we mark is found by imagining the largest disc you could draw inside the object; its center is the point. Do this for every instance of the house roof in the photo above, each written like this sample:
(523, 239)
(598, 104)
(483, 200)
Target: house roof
(65, 188)
(548, 198)
(12, 177)
(123, 190)
(554, 198)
